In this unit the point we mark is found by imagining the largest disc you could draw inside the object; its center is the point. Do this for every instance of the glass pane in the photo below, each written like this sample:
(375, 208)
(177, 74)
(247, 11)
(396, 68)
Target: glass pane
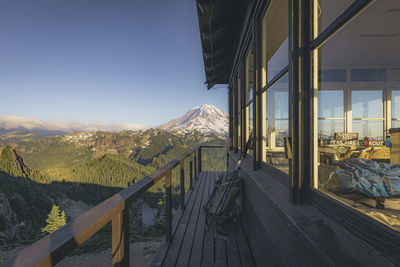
(330, 104)
(371, 128)
(327, 11)
(346, 167)
(328, 128)
(396, 104)
(249, 76)
(278, 61)
(395, 124)
(250, 123)
(367, 104)
(275, 45)
(277, 114)
(251, 117)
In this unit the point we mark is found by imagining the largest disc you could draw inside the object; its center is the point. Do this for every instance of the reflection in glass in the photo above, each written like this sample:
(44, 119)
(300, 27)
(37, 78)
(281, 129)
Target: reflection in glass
(395, 123)
(249, 76)
(327, 128)
(352, 161)
(395, 104)
(367, 104)
(330, 104)
(277, 114)
(250, 112)
(278, 61)
(372, 129)
(275, 45)
(327, 11)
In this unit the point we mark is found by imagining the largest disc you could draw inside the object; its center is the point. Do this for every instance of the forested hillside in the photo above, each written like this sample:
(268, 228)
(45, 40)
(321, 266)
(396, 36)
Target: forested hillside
(88, 168)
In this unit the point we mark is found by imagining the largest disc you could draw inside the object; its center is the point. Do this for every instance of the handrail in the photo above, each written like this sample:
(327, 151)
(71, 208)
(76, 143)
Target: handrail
(54, 247)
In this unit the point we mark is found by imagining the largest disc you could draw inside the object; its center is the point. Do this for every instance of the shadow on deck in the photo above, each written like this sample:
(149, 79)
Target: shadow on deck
(193, 245)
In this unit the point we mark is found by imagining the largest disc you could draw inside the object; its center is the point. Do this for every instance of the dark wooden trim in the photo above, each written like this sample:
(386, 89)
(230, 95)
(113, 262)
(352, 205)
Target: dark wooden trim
(182, 178)
(275, 79)
(191, 171)
(294, 71)
(120, 239)
(199, 151)
(377, 235)
(168, 208)
(339, 22)
(306, 109)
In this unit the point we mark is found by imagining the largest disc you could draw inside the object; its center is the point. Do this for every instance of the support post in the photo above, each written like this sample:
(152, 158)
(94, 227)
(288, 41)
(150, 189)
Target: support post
(168, 208)
(182, 167)
(227, 159)
(191, 171)
(199, 159)
(120, 239)
(195, 165)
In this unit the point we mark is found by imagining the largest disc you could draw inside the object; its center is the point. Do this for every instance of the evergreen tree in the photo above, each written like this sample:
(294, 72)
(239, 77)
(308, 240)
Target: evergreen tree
(55, 220)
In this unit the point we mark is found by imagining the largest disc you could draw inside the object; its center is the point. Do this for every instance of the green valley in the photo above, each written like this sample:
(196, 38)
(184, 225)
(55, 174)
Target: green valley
(85, 168)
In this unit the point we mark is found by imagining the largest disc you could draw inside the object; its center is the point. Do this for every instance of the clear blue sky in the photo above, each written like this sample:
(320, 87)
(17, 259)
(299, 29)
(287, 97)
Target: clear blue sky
(133, 61)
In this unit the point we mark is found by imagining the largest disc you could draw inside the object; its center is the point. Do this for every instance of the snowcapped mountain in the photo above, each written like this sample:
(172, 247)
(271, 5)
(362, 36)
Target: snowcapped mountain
(205, 119)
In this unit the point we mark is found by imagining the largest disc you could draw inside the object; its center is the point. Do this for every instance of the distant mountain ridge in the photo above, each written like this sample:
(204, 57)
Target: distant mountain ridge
(205, 119)
(21, 124)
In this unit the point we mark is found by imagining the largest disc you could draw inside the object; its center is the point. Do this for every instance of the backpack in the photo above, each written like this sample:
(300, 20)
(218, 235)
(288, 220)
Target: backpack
(227, 210)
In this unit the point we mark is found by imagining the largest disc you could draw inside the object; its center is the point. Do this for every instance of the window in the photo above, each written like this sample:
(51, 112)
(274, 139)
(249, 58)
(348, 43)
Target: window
(395, 108)
(356, 106)
(326, 11)
(330, 113)
(249, 96)
(275, 39)
(277, 121)
(275, 94)
(367, 111)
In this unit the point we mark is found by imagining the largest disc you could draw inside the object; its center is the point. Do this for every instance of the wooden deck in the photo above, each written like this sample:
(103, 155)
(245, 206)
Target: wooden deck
(193, 245)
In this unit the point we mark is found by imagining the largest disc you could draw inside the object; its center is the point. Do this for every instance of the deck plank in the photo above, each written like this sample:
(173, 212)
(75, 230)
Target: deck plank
(197, 249)
(192, 245)
(187, 244)
(209, 241)
(233, 250)
(177, 240)
(246, 257)
(220, 251)
(163, 249)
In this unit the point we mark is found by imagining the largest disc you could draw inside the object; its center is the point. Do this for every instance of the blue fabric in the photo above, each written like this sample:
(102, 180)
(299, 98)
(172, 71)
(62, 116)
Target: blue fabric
(367, 177)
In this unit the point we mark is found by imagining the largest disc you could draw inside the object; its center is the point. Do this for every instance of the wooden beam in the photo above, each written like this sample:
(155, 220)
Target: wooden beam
(120, 239)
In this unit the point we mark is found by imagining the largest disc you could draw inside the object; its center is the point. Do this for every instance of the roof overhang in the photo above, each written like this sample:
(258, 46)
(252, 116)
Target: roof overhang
(219, 22)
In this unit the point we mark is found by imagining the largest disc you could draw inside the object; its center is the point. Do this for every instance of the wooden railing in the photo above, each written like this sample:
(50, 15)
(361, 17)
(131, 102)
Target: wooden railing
(54, 247)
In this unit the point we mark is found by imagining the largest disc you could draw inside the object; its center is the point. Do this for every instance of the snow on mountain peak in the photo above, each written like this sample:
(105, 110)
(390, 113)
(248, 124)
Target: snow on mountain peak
(205, 118)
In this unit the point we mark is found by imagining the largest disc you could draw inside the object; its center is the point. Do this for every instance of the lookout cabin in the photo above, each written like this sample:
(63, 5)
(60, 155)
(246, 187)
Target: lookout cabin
(316, 84)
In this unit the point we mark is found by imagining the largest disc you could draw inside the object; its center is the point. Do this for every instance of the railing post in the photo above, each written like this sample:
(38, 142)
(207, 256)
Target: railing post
(227, 159)
(199, 159)
(191, 171)
(195, 165)
(120, 238)
(168, 208)
(182, 166)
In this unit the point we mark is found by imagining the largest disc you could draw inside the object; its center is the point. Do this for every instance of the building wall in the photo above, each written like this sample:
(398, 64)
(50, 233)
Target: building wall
(281, 233)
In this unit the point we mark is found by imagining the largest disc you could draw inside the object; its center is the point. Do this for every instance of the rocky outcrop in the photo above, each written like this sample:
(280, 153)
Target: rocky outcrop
(9, 225)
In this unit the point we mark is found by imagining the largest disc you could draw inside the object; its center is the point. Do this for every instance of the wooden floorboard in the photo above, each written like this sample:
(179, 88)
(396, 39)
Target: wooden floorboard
(175, 246)
(163, 249)
(232, 250)
(186, 249)
(197, 249)
(246, 257)
(193, 245)
(209, 241)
